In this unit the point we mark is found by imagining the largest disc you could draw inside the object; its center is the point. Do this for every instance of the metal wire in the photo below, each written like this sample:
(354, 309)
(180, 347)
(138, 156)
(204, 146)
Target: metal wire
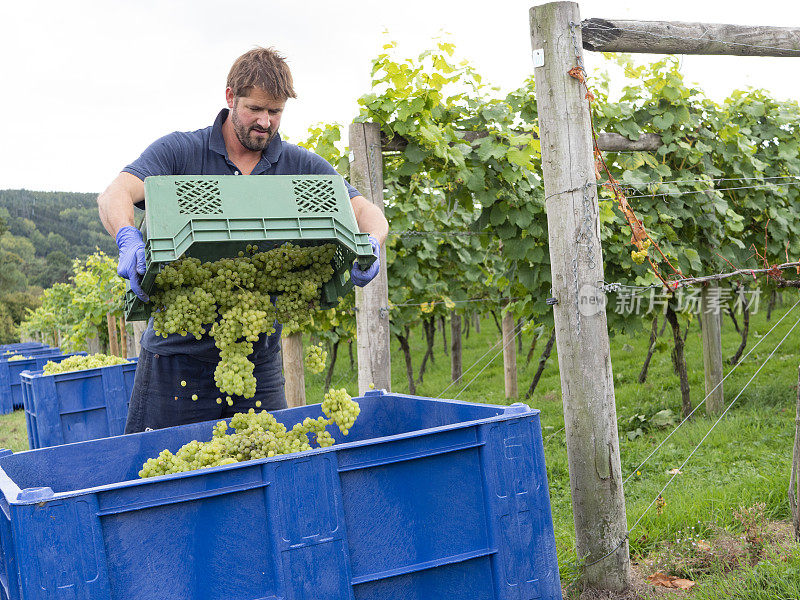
(552, 435)
(700, 443)
(689, 416)
(410, 233)
(452, 383)
(697, 447)
(674, 284)
(453, 301)
(491, 360)
(713, 189)
(709, 180)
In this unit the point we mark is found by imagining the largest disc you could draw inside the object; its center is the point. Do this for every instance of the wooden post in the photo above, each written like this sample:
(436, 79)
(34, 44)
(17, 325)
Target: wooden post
(455, 346)
(113, 345)
(584, 358)
(138, 330)
(509, 355)
(123, 338)
(794, 478)
(711, 326)
(665, 37)
(294, 369)
(372, 301)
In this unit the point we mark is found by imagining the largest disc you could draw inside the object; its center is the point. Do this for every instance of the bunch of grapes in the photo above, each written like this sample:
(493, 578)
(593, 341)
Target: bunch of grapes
(230, 300)
(80, 363)
(339, 407)
(639, 256)
(315, 358)
(18, 357)
(256, 435)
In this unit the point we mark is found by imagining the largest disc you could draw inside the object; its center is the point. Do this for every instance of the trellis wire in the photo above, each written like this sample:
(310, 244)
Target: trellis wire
(552, 435)
(453, 301)
(716, 179)
(511, 341)
(411, 233)
(736, 366)
(472, 366)
(696, 448)
(706, 180)
(713, 189)
(674, 284)
(700, 443)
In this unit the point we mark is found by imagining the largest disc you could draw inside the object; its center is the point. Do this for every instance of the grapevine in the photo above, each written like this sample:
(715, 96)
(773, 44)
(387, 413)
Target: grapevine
(315, 358)
(80, 363)
(230, 300)
(257, 435)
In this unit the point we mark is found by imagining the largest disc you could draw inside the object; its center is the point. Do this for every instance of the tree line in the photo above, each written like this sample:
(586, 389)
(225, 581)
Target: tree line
(41, 234)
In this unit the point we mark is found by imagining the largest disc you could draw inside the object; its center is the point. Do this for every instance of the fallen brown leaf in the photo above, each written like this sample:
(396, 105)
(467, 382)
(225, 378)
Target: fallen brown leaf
(670, 581)
(703, 545)
(684, 584)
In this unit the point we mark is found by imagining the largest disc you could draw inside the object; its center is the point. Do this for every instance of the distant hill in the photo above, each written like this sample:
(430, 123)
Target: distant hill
(45, 232)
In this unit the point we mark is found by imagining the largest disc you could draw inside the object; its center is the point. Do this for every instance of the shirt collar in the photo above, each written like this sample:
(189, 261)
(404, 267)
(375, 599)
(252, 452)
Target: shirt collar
(270, 154)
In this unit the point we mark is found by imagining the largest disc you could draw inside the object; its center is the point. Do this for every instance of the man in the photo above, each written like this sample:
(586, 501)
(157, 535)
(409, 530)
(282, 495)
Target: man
(243, 140)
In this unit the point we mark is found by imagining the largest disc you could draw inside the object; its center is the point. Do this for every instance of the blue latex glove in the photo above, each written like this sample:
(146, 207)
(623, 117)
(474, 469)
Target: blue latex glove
(131, 259)
(363, 277)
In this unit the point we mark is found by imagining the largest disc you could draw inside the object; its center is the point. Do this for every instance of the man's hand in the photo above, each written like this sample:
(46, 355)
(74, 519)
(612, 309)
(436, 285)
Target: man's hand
(362, 278)
(131, 259)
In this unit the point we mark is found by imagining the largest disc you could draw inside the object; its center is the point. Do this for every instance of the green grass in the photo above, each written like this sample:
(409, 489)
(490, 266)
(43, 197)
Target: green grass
(13, 434)
(744, 460)
(776, 579)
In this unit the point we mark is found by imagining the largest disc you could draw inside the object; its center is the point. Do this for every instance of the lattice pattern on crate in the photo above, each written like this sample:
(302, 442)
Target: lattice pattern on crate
(338, 258)
(314, 195)
(198, 197)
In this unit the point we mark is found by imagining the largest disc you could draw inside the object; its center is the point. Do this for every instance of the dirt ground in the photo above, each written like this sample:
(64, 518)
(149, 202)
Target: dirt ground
(728, 552)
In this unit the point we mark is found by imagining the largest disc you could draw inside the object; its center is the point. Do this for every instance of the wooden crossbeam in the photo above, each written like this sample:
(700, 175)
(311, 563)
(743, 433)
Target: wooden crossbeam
(674, 37)
(610, 142)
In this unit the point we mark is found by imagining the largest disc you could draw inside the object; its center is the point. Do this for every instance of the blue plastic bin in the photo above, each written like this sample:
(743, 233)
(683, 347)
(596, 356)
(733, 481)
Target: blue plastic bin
(21, 346)
(426, 500)
(10, 386)
(30, 352)
(78, 405)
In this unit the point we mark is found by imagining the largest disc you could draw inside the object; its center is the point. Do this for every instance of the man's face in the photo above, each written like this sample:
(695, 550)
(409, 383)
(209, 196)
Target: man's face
(255, 117)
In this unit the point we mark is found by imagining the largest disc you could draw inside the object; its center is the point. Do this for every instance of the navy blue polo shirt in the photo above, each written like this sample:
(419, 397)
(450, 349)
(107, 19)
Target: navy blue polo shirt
(203, 152)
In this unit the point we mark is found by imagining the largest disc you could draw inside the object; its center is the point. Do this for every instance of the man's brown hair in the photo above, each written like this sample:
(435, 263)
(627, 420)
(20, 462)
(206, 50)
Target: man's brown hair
(263, 68)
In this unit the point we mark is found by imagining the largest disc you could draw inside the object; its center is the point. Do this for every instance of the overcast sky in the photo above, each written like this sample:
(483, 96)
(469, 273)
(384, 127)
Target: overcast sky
(87, 85)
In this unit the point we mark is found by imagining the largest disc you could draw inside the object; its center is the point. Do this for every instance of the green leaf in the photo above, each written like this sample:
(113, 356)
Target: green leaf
(488, 148)
(693, 257)
(414, 153)
(664, 121)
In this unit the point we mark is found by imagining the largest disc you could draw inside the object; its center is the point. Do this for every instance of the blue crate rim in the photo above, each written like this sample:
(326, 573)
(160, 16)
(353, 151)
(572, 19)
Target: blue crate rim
(518, 409)
(39, 373)
(48, 356)
(4, 359)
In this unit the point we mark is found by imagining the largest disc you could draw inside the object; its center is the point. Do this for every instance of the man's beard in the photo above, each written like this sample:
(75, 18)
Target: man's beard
(243, 134)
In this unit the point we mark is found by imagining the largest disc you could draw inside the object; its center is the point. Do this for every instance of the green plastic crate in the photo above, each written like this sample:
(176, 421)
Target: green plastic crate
(216, 216)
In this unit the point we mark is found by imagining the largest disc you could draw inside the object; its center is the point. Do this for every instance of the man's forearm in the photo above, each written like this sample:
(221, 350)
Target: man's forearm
(370, 219)
(116, 211)
(115, 204)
